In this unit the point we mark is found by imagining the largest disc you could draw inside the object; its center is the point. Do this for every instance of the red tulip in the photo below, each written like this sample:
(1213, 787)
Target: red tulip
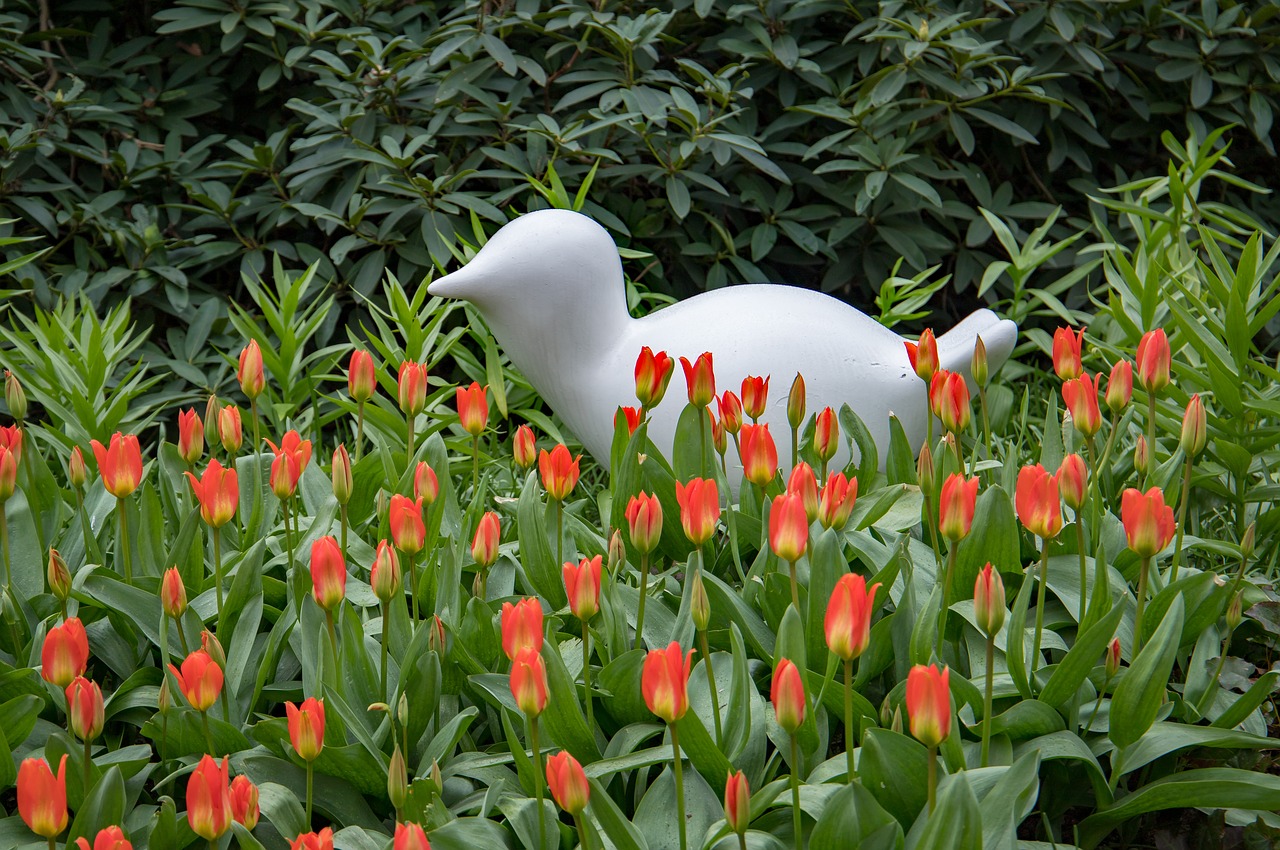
(988, 600)
(384, 575)
(737, 802)
(664, 682)
(11, 438)
(1066, 353)
(924, 355)
(521, 626)
(582, 585)
(200, 679)
(631, 415)
(956, 505)
(361, 381)
(244, 802)
(804, 484)
(1141, 455)
(407, 527)
(1148, 521)
(826, 434)
(1081, 396)
(173, 593)
(700, 379)
(529, 682)
(292, 456)
(209, 799)
(559, 472)
(120, 464)
(84, 708)
(409, 836)
(340, 475)
(473, 408)
(190, 436)
(1194, 427)
(426, 486)
(230, 432)
(950, 396)
(42, 798)
(759, 454)
(1120, 386)
(1073, 481)
(755, 396)
(77, 470)
(110, 838)
(65, 653)
(788, 527)
(848, 619)
(1112, 660)
(644, 521)
(484, 547)
(306, 727)
(837, 500)
(653, 373)
(328, 573)
(1154, 361)
(322, 840)
(699, 509)
(218, 492)
(8, 473)
(58, 575)
(568, 782)
(729, 407)
(787, 696)
(250, 374)
(929, 704)
(412, 387)
(1038, 502)
(524, 447)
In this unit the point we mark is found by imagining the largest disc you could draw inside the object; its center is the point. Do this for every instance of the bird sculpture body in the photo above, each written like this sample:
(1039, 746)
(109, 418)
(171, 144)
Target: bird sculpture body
(550, 285)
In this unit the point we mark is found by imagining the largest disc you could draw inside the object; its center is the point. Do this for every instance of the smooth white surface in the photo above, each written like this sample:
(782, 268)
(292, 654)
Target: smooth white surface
(551, 288)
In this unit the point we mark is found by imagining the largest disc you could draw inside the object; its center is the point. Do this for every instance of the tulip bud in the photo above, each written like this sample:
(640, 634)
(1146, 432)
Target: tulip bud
(700, 378)
(826, 435)
(737, 803)
(412, 387)
(730, 409)
(173, 594)
(437, 641)
(529, 682)
(163, 700)
(653, 373)
(759, 454)
(1153, 360)
(397, 779)
(1141, 456)
(568, 782)
(1066, 353)
(1073, 481)
(617, 552)
(473, 408)
(484, 547)
(1081, 397)
(524, 447)
(755, 395)
(384, 575)
(306, 727)
(211, 420)
(77, 472)
(700, 605)
(1235, 610)
(956, 507)
(250, 374)
(84, 709)
(402, 710)
(804, 484)
(929, 704)
(361, 381)
(631, 415)
(1112, 665)
(425, 484)
(190, 436)
(209, 643)
(15, 397)
(836, 502)
(924, 470)
(719, 439)
(328, 573)
(924, 355)
(582, 586)
(796, 402)
(1247, 542)
(1193, 427)
(244, 802)
(342, 482)
(979, 366)
(437, 779)
(644, 519)
(59, 576)
(229, 430)
(1120, 386)
(988, 600)
(787, 696)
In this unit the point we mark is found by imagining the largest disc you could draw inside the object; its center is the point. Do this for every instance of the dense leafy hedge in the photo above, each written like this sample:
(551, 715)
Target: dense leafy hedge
(159, 149)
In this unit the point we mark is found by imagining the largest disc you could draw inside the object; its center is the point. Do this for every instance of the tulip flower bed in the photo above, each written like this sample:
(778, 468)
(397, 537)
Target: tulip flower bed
(424, 626)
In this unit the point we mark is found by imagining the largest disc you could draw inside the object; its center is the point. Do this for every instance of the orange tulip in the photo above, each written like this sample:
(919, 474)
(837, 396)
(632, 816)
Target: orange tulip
(218, 492)
(826, 434)
(209, 799)
(988, 600)
(559, 472)
(412, 387)
(582, 585)
(58, 575)
(322, 840)
(65, 653)
(292, 456)
(1073, 481)
(929, 704)
(1141, 455)
(924, 355)
(729, 407)
(956, 505)
(1066, 353)
(42, 798)
(407, 527)
(120, 464)
(1154, 360)
(426, 487)
(837, 500)
(409, 836)
(1081, 396)
(755, 396)
(759, 454)
(1111, 661)
(529, 682)
(384, 575)
(1120, 386)
(111, 838)
(699, 509)
(804, 484)
(361, 381)
(484, 547)
(473, 408)
(1148, 521)
(11, 439)
(700, 379)
(306, 727)
(8, 473)
(1038, 502)
(653, 373)
(737, 802)
(664, 682)
(568, 782)
(244, 802)
(200, 679)
(848, 619)
(230, 431)
(787, 696)
(644, 521)
(630, 415)
(250, 374)
(949, 395)
(84, 708)
(328, 573)
(190, 436)
(521, 626)
(524, 447)
(788, 527)
(1194, 427)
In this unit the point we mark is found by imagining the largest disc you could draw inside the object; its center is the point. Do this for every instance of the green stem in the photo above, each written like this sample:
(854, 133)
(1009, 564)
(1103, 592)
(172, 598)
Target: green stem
(288, 538)
(702, 444)
(1095, 485)
(932, 514)
(729, 518)
(53, 843)
(581, 819)
(1044, 576)
(536, 755)
(359, 429)
(343, 511)
(1084, 570)
(382, 679)
(310, 783)
(1151, 437)
(742, 841)
(84, 524)
(4, 549)
(559, 533)
(986, 705)
(257, 447)
(644, 581)
(711, 684)
(1097, 705)
(217, 567)
(933, 776)
(333, 637)
(795, 794)
(850, 734)
(1142, 601)
(675, 752)
(1182, 519)
(795, 587)
(208, 738)
(182, 637)
(88, 766)
(408, 441)
(986, 423)
(475, 464)
(795, 445)
(946, 594)
(586, 671)
(124, 540)
(1207, 699)
(413, 586)
(33, 495)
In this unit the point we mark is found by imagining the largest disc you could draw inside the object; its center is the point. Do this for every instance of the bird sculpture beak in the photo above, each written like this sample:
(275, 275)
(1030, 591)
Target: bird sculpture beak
(460, 284)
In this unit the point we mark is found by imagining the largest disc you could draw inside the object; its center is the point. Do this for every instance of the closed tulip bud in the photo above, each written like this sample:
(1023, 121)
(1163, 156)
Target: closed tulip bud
(244, 802)
(664, 682)
(653, 373)
(402, 709)
(291, 459)
(848, 619)
(1141, 456)
(15, 397)
(1247, 542)
(163, 700)
(250, 374)
(699, 502)
(788, 527)
(328, 573)
(190, 436)
(200, 679)
(426, 487)
(437, 640)
(630, 415)
(407, 527)
(84, 708)
(787, 696)
(644, 521)
(8, 473)
(209, 799)
(409, 836)
(952, 401)
(1235, 610)
(737, 802)
(384, 575)
(979, 366)
(119, 464)
(209, 643)
(1081, 397)
(796, 402)
(436, 778)
(568, 783)
(988, 600)
(1038, 501)
(524, 447)
(109, 838)
(341, 475)
(923, 355)
(755, 396)
(230, 433)
(559, 471)
(529, 682)
(730, 410)
(582, 586)
(759, 454)
(929, 704)
(1153, 361)
(1193, 427)
(700, 378)
(924, 470)
(306, 727)
(361, 381)
(1120, 386)
(211, 420)
(42, 797)
(322, 840)
(1148, 521)
(397, 779)
(700, 605)
(804, 484)
(412, 387)
(1073, 481)
(1066, 353)
(218, 492)
(59, 576)
(719, 439)
(65, 653)
(617, 552)
(836, 501)
(521, 626)
(11, 438)
(173, 593)
(473, 408)
(77, 471)
(826, 434)
(1112, 665)
(484, 547)
(956, 506)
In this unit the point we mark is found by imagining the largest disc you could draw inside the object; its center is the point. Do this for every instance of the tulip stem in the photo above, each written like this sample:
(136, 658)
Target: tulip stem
(1044, 579)
(208, 737)
(586, 671)
(536, 754)
(257, 446)
(1142, 601)
(702, 443)
(1097, 705)
(559, 531)
(124, 540)
(742, 840)
(408, 442)
(1210, 692)
(359, 429)
(795, 793)
(711, 683)
(310, 782)
(382, 679)
(475, 464)
(850, 733)
(986, 423)
(288, 538)
(644, 581)
(182, 636)
(675, 751)
(1084, 570)
(933, 776)
(795, 445)
(581, 818)
(345, 523)
(84, 523)
(1151, 436)
(216, 534)
(1182, 519)
(946, 594)
(333, 637)
(795, 587)
(88, 766)
(986, 705)
(33, 502)
(4, 549)
(729, 515)
(413, 586)
(53, 843)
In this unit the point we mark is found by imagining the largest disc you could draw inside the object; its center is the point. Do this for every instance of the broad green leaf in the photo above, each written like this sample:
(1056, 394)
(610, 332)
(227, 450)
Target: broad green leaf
(1136, 700)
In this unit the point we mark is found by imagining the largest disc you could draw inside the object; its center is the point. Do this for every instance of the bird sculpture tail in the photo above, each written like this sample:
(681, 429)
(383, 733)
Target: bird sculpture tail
(955, 347)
